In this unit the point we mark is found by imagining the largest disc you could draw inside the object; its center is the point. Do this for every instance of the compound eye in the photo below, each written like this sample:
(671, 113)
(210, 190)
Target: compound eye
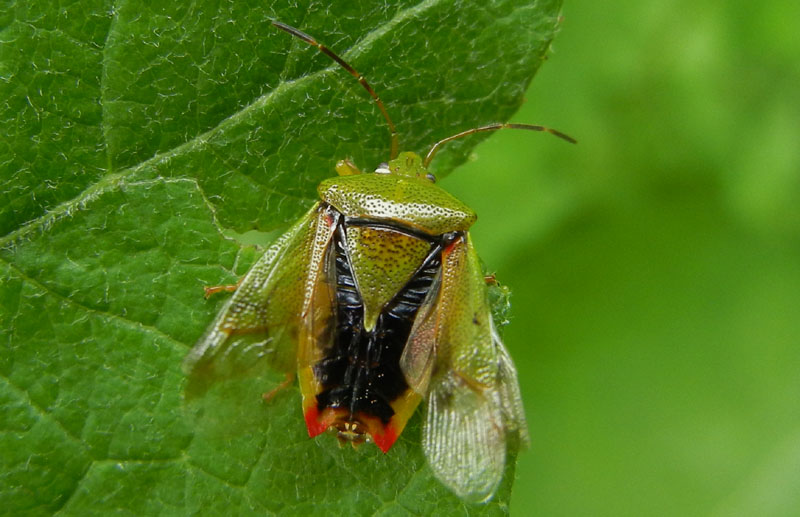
(431, 177)
(383, 168)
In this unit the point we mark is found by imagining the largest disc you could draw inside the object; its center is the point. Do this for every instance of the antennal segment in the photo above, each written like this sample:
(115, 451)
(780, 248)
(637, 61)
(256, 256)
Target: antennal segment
(328, 52)
(493, 127)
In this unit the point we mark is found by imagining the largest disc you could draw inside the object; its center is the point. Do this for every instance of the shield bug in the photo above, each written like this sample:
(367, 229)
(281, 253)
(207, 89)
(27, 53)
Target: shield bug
(377, 300)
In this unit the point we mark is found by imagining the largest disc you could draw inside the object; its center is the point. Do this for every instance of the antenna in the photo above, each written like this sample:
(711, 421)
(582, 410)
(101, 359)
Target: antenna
(328, 52)
(493, 127)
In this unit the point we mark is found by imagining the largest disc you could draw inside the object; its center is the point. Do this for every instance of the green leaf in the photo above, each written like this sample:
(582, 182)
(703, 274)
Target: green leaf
(136, 139)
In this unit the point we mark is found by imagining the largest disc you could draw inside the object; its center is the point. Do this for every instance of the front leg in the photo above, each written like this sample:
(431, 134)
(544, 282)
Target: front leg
(214, 289)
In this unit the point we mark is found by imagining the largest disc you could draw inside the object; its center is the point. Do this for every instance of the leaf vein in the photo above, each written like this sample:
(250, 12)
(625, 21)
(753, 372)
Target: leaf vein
(139, 326)
(44, 414)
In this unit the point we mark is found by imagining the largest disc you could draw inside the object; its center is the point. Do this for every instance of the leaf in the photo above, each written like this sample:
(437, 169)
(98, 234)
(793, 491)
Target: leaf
(135, 140)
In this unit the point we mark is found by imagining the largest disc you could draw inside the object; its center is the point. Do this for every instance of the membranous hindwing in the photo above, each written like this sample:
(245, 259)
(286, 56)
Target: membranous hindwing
(259, 324)
(473, 403)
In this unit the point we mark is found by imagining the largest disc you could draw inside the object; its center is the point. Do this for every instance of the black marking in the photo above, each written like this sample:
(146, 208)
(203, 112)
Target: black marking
(407, 230)
(361, 370)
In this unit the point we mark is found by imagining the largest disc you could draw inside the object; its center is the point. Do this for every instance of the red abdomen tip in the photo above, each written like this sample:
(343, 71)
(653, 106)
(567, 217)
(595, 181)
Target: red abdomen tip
(315, 427)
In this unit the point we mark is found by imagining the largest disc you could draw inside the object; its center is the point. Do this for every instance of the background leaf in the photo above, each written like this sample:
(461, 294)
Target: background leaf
(136, 137)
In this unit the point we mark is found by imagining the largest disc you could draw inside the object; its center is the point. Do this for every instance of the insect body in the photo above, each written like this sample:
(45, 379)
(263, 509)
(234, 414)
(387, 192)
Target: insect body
(376, 298)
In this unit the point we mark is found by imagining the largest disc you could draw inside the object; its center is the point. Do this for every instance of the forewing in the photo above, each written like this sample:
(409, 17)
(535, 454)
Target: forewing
(473, 405)
(510, 397)
(258, 325)
(316, 337)
(318, 315)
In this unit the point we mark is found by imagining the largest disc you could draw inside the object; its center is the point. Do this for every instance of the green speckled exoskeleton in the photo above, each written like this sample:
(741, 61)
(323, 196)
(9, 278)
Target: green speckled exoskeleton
(377, 300)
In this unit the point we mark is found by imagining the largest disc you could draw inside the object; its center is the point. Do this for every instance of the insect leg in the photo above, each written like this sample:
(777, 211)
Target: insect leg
(214, 289)
(280, 387)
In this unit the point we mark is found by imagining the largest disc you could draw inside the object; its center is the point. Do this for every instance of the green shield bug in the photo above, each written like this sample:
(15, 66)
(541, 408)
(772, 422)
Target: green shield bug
(377, 300)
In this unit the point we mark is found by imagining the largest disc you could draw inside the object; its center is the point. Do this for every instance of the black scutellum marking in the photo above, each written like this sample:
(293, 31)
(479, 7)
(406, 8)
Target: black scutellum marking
(361, 370)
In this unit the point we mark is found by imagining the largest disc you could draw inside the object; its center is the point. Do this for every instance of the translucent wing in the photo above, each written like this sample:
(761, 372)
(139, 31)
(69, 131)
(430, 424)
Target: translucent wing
(259, 324)
(418, 355)
(473, 401)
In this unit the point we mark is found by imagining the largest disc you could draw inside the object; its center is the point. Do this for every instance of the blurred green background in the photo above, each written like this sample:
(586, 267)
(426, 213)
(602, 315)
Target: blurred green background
(655, 267)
